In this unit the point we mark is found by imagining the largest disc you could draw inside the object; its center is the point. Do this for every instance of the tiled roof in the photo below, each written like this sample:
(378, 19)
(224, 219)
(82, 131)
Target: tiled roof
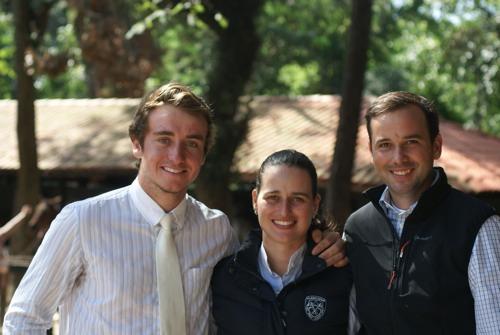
(73, 134)
(307, 124)
(91, 134)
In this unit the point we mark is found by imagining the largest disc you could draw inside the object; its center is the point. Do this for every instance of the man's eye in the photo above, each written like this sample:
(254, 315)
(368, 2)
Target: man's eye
(272, 198)
(384, 145)
(164, 140)
(193, 145)
(298, 200)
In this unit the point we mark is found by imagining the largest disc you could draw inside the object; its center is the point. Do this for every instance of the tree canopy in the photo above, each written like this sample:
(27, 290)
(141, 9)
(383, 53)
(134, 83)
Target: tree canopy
(447, 51)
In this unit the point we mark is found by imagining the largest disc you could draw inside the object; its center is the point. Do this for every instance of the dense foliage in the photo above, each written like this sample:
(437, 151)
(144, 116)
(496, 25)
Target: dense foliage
(448, 51)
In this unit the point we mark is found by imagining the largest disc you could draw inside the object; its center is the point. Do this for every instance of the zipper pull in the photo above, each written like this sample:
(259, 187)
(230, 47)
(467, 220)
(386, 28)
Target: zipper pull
(393, 276)
(402, 250)
(396, 267)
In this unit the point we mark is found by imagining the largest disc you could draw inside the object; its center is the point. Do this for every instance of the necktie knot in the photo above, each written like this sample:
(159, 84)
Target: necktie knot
(167, 222)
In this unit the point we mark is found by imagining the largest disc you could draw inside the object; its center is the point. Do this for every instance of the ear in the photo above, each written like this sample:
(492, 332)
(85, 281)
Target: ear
(254, 200)
(370, 149)
(136, 149)
(317, 201)
(437, 146)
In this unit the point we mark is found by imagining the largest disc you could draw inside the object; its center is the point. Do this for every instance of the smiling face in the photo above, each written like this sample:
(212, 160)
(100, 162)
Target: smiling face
(171, 155)
(285, 206)
(403, 153)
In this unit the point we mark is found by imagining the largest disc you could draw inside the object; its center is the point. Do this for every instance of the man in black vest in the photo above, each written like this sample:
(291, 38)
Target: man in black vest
(425, 257)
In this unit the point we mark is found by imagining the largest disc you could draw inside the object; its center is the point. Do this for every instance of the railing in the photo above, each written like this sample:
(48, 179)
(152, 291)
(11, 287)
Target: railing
(38, 220)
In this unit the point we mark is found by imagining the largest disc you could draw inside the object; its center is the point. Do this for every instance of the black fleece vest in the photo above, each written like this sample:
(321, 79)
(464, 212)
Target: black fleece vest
(419, 284)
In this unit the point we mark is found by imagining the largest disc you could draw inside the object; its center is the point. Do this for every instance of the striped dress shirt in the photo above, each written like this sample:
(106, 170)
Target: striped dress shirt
(97, 265)
(484, 265)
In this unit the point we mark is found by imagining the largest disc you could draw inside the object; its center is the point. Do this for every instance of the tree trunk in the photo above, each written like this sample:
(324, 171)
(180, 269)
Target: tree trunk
(237, 48)
(28, 180)
(339, 185)
(115, 66)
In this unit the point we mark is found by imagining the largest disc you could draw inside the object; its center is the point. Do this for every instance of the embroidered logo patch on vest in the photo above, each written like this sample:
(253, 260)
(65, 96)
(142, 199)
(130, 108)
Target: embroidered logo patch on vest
(315, 307)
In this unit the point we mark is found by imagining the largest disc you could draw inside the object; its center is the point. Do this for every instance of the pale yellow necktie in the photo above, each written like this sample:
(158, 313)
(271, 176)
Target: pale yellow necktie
(171, 294)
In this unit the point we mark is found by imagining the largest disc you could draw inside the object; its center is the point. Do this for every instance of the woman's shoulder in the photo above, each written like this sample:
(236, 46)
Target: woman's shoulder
(223, 265)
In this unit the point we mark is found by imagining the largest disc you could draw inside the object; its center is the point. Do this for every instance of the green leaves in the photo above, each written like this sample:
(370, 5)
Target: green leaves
(7, 73)
(447, 51)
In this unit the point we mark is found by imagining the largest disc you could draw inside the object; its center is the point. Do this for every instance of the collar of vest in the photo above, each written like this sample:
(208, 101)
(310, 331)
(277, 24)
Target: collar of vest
(429, 199)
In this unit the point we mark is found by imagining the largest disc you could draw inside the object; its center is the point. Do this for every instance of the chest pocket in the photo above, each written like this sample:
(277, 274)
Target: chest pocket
(376, 251)
(421, 266)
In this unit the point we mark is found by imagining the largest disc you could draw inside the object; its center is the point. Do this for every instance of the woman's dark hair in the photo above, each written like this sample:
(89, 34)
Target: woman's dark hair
(294, 158)
(290, 158)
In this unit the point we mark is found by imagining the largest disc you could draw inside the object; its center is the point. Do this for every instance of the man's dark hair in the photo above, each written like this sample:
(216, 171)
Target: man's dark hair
(393, 101)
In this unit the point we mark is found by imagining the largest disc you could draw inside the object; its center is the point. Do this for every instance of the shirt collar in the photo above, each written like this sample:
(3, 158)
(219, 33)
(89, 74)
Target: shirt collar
(151, 211)
(294, 264)
(387, 204)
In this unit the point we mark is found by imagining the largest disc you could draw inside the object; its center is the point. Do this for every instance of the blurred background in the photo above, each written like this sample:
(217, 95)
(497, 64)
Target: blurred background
(278, 74)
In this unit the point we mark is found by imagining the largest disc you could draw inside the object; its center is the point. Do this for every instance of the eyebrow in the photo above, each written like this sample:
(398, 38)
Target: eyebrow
(305, 194)
(419, 136)
(162, 132)
(170, 133)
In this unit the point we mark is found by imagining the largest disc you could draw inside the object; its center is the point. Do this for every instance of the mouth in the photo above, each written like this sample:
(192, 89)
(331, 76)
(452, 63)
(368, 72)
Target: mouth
(401, 172)
(284, 224)
(172, 170)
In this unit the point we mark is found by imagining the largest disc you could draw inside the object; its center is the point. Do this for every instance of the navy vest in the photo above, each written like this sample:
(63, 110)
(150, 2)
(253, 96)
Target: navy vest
(417, 284)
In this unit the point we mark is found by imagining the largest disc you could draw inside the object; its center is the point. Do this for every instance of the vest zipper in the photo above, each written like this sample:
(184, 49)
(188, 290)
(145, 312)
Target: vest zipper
(396, 264)
(395, 244)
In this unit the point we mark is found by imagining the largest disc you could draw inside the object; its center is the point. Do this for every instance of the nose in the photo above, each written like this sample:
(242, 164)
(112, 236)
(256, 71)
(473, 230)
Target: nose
(285, 208)
(176, 153)
(400, 155)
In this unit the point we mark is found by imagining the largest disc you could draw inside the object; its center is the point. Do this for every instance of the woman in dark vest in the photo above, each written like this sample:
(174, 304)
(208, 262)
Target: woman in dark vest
(273, 284)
